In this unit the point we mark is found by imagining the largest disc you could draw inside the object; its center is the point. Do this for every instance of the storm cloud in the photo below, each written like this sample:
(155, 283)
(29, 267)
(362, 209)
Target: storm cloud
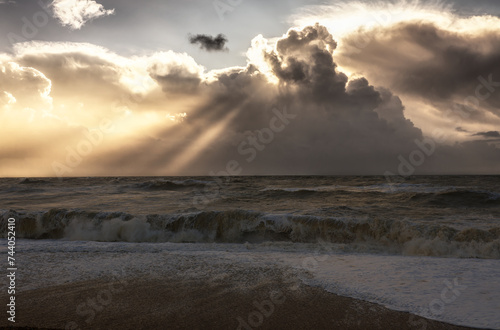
(451, 77)
(490, 134)
(291, 110)
(208, 42)
(435, 63)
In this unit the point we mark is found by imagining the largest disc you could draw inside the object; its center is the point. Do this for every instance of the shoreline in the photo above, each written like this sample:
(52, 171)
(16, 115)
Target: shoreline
(176, 303)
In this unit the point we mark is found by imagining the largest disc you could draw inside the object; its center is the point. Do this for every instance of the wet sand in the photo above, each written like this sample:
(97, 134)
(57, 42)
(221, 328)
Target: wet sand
(174, 303)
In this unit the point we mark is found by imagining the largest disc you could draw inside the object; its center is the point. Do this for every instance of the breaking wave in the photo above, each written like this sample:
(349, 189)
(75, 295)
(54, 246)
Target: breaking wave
(240, 226)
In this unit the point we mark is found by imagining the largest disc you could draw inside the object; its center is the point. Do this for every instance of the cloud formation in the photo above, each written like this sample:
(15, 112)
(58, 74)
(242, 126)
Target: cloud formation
(25, 87)
(209, 43)
(490, 134)
(291, 110)
(76, 13)
(435, 63)
(442, 65)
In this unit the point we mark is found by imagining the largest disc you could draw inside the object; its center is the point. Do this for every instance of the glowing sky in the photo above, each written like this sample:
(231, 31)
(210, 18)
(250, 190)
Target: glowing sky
(298, 87)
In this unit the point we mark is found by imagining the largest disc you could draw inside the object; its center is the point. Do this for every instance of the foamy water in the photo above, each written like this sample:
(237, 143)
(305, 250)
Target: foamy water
(428, 245)
(458, 291)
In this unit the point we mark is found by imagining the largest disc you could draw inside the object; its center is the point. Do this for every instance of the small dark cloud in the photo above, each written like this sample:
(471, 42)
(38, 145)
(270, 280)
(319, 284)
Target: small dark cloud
(460, 129)
(490, 134)
(209, 43)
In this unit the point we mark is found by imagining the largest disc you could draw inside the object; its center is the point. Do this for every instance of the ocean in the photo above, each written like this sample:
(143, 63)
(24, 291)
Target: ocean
(398, 244)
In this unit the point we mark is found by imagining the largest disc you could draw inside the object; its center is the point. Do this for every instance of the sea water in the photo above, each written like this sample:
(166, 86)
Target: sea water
(429, 245)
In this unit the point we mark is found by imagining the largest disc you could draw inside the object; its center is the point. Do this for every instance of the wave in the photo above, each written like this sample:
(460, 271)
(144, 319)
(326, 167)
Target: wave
(32, 181)
(439, 195)
(173, 185)
(241, 226)
(380, 188)
(459, 198)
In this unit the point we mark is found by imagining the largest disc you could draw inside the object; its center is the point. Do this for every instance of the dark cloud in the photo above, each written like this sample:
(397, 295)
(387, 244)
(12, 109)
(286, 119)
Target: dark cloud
(342, 126)
(335, 125)
(490, 134)
(339, 126)
(177, 80)
(209, 43)
(455, 71)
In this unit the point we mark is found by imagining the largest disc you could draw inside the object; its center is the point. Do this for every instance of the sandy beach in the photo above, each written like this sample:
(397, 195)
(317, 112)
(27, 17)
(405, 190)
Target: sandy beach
(174, 303)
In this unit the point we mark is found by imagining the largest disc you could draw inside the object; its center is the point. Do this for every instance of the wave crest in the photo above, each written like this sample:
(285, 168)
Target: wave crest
(240, 226)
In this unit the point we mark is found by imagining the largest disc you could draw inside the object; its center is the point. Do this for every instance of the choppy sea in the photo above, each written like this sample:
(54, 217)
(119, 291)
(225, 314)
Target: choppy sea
(429, 245)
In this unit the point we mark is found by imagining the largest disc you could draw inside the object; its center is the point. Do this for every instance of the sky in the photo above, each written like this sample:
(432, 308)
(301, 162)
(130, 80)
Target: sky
(238, 87)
